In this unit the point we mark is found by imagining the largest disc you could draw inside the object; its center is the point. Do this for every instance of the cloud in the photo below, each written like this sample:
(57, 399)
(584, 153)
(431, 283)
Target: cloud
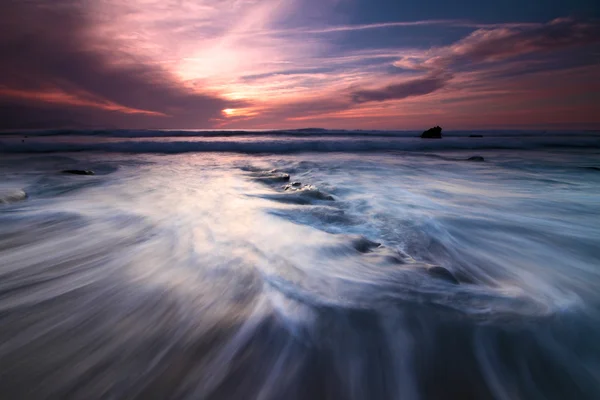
(493, 45)
(179, 63)
(51, 57)
(453, 23)
(481, 47)
(402, 90)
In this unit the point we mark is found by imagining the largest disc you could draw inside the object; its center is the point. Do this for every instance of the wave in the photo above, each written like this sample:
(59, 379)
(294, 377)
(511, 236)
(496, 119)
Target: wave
(278, 146)
(304, 132)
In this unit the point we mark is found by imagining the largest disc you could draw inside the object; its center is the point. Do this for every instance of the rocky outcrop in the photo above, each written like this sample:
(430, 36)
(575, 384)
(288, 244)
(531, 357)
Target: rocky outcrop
(476, 159)
(272, 177)
(77, 172)
(432, 133)
(309, 191)
(364, 245)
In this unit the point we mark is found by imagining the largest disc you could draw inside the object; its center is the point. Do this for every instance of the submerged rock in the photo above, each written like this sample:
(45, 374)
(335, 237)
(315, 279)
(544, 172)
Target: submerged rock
(292, 186)
(476, 158)
(308, 191)
(364, 245)
(476, 136)
(432, 133)
(12, 195)
(77, 172)
(315, 193)
(272, 177)
(442, 273)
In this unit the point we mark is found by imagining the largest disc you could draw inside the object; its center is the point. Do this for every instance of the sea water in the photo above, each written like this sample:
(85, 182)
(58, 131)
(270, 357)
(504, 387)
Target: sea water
(189, 267)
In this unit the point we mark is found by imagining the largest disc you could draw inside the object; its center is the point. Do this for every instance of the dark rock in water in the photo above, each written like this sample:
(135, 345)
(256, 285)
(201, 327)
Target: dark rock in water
(476, 158)
(77, 172)
(314, 193)
(308, 191)
(279, 177)
(475, 135)
(296, 184)
(272, 177)
(593, 168)
(364, 245)
(432, 133)
(443, 273)
(12, 195)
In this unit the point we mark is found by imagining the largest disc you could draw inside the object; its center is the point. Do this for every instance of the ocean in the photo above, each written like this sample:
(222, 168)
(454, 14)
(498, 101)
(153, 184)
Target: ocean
(304, 264)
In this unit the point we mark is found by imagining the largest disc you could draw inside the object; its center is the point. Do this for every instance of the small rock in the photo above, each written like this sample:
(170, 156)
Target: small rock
(476, 136)
(77, 172)
(364, 245)
(443, 273)
(11, 195)
(281, 177)
(432, 133)
(476, 158)
(296, 184)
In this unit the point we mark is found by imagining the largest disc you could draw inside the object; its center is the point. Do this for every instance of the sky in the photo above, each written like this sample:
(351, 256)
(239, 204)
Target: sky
(271, 64)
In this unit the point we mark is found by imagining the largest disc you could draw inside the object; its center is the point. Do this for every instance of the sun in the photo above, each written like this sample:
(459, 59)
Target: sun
(229, 112)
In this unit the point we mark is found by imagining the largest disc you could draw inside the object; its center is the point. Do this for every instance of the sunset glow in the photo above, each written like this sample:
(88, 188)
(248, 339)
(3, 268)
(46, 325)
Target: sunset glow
(288, 63)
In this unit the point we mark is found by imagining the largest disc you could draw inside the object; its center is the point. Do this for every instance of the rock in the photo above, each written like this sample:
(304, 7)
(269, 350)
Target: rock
(272, 177)
(77, 172)
(364, 245)
(308, 191)
(476, 158)
(11, 195)
(278, 178)
(442, 273)
(296, 184)
(475, 135)
(313, 192)
(433, 133)
(593, 168)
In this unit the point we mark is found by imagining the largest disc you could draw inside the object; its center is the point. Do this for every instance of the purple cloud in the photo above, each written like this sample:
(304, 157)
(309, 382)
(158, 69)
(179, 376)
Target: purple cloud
(402, 90)
(490, 45)
(49, 48)
(482, 46)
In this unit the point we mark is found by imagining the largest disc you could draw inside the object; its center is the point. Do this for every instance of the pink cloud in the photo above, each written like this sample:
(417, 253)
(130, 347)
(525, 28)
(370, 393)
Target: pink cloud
(489, 45)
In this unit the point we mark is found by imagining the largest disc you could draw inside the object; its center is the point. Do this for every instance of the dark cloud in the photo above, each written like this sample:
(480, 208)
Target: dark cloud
(486, 46)
(499, 44)
(409, 88)
(49, 46)
(503, 43)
